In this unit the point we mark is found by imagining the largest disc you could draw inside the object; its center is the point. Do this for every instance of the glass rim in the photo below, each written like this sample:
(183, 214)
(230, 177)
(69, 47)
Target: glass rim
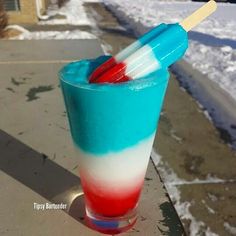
(137, 84)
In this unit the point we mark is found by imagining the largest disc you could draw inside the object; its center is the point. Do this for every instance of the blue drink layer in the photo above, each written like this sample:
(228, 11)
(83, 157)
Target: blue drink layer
(108, 118)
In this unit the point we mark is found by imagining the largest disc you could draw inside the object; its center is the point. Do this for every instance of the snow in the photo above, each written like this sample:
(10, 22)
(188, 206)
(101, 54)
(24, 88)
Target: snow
(107, 48)
(212, 197)
(210, 210)
(73, 11)
(74, 34)
(17, 27)
(212, 44)
(230, 229)
(156, 158)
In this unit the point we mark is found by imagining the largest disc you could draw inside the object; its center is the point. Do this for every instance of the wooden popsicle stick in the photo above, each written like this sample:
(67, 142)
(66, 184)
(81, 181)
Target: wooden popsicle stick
(199, 15)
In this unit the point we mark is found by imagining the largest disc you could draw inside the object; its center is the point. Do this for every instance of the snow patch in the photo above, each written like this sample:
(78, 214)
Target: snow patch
(209, 233)
(74, 34)
(17, 27)
(107, 48)
(73, 11)
(212, 197)
(206, 113)
(217, 62)
(156, 158)
(176, 137)
(229, 228)
(210, 210)
(208, 180)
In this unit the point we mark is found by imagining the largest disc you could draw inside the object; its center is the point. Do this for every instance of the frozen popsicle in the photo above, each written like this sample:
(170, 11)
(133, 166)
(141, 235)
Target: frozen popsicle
(159, 48)
(128, 51)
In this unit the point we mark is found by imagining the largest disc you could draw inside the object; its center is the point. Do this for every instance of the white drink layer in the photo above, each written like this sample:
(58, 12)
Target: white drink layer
(125, 168)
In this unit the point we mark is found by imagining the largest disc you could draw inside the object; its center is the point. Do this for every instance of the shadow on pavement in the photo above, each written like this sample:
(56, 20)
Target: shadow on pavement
(42, 175)
(210, 40)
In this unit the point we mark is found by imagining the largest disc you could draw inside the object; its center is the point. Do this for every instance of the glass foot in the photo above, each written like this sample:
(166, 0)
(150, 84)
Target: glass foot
(111, 225)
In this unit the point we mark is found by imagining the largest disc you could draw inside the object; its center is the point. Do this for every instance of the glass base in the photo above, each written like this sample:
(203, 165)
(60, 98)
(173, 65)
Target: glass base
(111, 225)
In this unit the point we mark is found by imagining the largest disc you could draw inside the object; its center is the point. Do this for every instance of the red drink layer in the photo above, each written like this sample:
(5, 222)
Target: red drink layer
(106, 202)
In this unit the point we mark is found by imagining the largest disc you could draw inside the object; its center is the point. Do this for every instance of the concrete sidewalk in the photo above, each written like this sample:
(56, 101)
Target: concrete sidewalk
(37, 162)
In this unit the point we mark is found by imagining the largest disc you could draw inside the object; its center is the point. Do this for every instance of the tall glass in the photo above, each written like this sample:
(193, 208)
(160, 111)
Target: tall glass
(113, 127)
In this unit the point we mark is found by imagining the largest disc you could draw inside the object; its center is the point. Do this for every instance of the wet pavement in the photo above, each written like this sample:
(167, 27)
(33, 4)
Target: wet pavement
(196, 162)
